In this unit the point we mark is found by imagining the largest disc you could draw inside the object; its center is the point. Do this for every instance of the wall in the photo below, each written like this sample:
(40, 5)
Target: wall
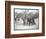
(2, 19)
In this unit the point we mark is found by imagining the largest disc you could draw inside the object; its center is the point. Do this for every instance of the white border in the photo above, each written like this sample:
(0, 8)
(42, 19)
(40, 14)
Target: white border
(27, 31)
